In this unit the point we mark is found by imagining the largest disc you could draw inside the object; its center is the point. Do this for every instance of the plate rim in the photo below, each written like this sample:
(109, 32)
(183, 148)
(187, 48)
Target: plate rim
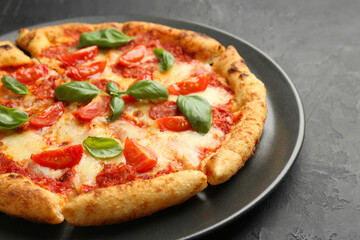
(300, 133)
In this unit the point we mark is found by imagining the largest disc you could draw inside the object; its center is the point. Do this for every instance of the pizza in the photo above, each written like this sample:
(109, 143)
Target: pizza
(105, 123)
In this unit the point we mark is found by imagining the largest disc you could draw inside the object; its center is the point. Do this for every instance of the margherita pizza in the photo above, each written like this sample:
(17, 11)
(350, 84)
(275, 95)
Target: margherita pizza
(110, 122)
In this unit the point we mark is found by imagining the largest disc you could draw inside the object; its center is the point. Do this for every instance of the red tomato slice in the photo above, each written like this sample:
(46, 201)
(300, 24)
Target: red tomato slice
(29, 76)
(49, 116)
(138, 156)
(80, 56)
(191, 85)
(165, 109)
(176, 124)
(59, 158)
(97, 106)
(132, 56)
(85, 72)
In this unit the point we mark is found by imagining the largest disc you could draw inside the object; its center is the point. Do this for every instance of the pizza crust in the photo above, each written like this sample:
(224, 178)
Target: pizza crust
(250, 94)
(203, 47)
(11, 56)
(20, 197)
(36, 40)
(134, 199)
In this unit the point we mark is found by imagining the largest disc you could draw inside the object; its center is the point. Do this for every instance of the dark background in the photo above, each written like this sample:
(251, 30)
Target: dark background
(317, 43)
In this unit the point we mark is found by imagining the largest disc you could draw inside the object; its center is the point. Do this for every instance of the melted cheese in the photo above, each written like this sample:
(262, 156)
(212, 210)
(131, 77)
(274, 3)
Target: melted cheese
(21, 146)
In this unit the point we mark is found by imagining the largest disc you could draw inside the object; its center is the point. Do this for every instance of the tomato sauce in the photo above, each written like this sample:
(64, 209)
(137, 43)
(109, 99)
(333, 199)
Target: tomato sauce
(63, 185)
(222, 118)
(115, 174)
(150, 41)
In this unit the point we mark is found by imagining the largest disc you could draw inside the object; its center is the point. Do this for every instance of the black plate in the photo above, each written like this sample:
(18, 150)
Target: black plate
(279, 146)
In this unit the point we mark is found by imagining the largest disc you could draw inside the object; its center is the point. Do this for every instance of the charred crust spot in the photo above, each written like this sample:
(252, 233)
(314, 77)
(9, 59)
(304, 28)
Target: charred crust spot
(6, 47)
(232, 70)
(12, 176)
(137, 113)
(243, 75)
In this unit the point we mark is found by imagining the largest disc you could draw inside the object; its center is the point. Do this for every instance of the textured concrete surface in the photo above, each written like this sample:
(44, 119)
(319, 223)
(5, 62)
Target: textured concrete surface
(317, 44)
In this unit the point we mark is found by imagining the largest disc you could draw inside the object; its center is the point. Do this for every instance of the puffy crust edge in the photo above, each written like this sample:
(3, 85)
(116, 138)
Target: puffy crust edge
(20, 197)
(11, 56)
(134, 199)
(252, 110)
(38, 39)
(202, 46)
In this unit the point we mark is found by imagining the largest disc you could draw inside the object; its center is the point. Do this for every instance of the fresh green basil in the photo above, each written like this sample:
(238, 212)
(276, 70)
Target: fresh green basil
(104, 38)
(14, 85)
(11, 118)
(197, 110)
(76, 91)
(112, 88)
(117, 106)
(148, 89)
(166, 59)
(102, 147)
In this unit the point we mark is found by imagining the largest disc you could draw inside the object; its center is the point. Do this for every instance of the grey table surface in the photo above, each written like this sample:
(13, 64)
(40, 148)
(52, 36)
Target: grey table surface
(317, 43)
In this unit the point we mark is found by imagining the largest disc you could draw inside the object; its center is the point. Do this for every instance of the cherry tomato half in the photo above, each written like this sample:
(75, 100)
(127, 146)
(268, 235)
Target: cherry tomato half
(85, 72)
(80, 56)
(29, 76)
(175, 123)
(138, 156)
(49, 116)
(97, 106)
(59, 158)
(132, 56)
(191, 85)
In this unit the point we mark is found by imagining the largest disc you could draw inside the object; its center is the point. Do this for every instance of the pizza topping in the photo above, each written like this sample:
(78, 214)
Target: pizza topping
(59, 158)
(148, 89)
(28, 76)
(14, 85)
(79, 57)
(132, 56)
(197, 110)
(165, 109)
(138, 156)
(98, 106)
(104, 38)
(77, 91)
(191, 85)
(143, 89)
(102, 147)
(11, 118)
(115, 174)
(49, 116)
(85, 72)
(174, 123)
(166, 59)
(117, 106)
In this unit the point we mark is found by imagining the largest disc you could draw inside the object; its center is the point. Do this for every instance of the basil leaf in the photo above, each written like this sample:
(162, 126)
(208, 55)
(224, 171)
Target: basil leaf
(11, 118)
(112, 88)
(197, 110)
(104, 38)
(102, 147)
(117, 106)
(14, 85)
(148, 89)
(166, 59)
(76, 91)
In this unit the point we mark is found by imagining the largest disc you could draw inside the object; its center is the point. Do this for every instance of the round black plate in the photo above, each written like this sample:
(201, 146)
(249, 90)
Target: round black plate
(278, 148)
